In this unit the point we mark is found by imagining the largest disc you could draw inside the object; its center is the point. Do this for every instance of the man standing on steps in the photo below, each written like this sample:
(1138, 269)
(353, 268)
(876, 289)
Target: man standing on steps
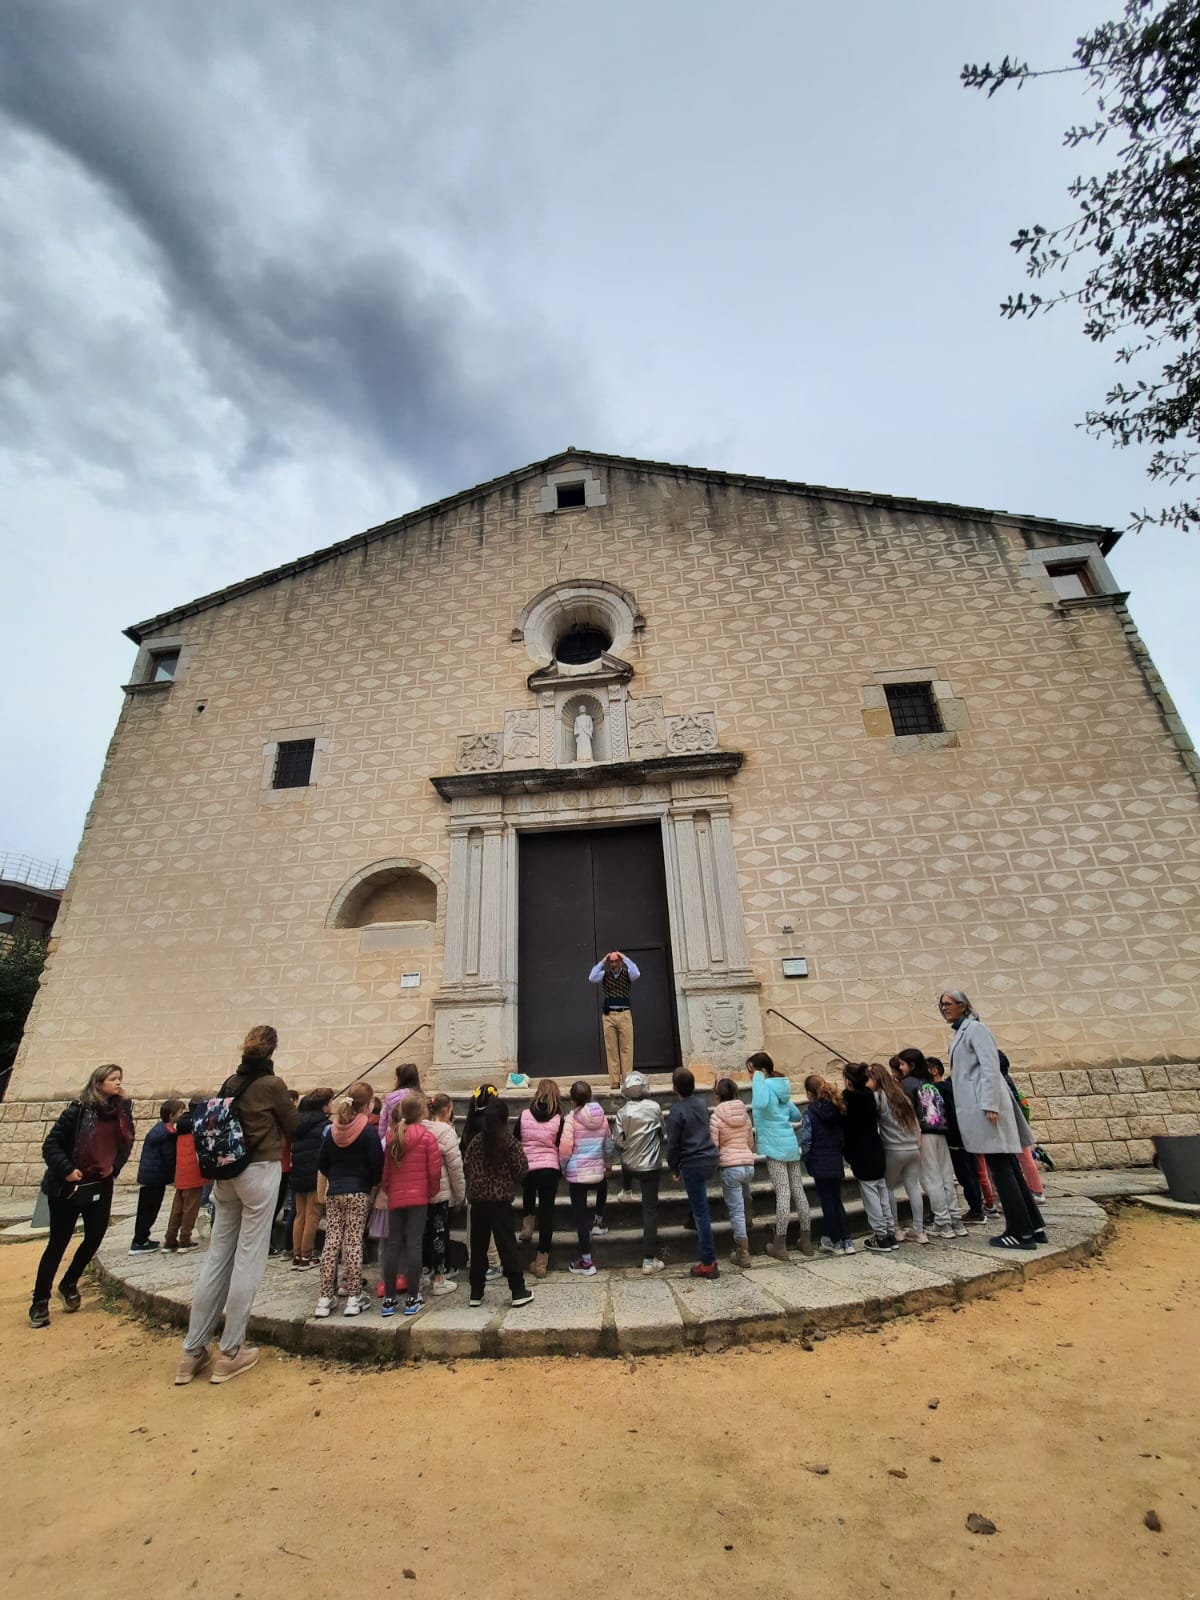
(616, 974)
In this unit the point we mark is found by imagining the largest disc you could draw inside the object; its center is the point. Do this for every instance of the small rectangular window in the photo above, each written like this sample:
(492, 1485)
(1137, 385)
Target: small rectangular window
(570, 495)
(293, 763)
(163, 666)
(913, 708)
(1071, 579)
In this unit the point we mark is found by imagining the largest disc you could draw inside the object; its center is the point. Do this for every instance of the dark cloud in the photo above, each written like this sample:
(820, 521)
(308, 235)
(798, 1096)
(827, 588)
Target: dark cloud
(277, 222)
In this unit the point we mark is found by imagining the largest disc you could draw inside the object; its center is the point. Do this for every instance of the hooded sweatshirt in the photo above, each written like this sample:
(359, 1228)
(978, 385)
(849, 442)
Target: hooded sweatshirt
(353, 1168)
(540, 1130)
(638, 1128)
(453, 1185)
(586, 1147)
(897, 1139)
(771, 1102)
(733, 1134)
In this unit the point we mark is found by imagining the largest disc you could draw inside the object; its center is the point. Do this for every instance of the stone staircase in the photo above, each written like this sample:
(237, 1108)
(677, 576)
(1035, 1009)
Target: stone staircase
(622, 1246)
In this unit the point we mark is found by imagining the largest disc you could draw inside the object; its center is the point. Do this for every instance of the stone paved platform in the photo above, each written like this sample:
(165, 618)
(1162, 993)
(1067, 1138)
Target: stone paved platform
(619, 1312)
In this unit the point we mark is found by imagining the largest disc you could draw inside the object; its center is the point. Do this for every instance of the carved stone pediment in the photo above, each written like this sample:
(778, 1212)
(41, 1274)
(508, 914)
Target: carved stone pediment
(606, 668)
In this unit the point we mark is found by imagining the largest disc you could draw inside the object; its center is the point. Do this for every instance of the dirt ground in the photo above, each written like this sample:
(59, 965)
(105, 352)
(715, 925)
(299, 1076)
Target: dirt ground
(1063, 1412)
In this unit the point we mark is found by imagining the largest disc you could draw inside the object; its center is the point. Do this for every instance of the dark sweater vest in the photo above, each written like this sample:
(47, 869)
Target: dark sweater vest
(617, 987)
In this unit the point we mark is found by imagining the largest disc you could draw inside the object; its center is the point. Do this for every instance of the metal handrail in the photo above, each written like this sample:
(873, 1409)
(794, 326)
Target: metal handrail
(771, 1012)
(363, 1076)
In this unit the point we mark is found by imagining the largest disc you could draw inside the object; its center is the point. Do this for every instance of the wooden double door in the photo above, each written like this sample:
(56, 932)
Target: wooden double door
(581, 893)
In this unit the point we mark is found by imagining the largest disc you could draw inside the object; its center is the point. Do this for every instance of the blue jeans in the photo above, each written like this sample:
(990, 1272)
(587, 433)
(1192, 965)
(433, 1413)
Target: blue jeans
(696, 1178)
(735, 1184)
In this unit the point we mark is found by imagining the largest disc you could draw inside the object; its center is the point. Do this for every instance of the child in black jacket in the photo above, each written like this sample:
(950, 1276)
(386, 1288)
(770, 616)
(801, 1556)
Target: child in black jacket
(863, 1148)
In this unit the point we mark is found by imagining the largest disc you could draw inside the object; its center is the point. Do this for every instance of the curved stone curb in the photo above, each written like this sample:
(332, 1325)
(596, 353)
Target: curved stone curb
(620, 1313)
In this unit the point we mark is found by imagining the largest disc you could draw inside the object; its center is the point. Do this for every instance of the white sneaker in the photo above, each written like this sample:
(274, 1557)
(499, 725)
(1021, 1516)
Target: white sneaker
(826, 1245)
(846, 1248)
(324, 1306)
(945, 1233)
(494, 1272)
(443, 1286)
(651, 1265)
(625, 1198)
(356, 1305)
(915, 1236)
(959, 1231)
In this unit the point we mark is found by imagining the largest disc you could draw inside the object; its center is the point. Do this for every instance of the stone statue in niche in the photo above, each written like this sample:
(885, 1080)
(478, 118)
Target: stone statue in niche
(583, 729)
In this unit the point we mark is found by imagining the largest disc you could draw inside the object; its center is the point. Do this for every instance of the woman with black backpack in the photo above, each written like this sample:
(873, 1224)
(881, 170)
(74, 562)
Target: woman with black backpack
(245, 1210)
(84, 1152)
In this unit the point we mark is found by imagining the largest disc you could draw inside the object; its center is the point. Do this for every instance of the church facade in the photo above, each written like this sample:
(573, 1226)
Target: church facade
(800, 752)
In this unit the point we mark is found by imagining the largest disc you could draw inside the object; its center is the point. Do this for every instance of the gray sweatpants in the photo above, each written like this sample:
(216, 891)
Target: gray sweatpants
(236, 1257)
(904, 1166)
(876, 1199)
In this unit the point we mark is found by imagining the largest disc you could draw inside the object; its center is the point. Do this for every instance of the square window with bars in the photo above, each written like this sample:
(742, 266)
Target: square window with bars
(293, 763)
(913, 708)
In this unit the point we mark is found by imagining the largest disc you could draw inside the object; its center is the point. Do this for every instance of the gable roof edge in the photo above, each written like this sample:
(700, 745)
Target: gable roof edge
(138, 632)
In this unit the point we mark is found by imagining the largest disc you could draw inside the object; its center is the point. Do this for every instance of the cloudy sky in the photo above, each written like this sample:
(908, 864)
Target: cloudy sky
(272, 273)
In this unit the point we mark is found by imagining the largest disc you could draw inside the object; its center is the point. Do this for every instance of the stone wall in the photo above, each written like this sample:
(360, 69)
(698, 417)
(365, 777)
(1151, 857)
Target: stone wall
(24, 1124)
(1043, 853)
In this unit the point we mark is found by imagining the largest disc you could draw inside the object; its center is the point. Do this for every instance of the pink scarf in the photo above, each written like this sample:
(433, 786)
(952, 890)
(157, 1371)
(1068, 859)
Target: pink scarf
(345, 1133)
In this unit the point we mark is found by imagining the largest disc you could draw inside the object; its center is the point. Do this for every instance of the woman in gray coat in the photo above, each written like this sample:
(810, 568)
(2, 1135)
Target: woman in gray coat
(988, 1120)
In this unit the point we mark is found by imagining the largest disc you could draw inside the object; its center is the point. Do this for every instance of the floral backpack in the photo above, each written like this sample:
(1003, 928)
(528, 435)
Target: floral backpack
(220, 1140)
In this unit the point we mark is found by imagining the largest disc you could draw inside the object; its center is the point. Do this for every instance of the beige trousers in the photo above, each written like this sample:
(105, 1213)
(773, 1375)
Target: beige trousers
(618, 1045)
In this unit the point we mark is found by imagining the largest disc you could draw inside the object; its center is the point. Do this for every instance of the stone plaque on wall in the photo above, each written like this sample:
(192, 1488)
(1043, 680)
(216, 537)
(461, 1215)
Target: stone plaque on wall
(692, 734)
(522, 738)
(478, 752)
(647, 732)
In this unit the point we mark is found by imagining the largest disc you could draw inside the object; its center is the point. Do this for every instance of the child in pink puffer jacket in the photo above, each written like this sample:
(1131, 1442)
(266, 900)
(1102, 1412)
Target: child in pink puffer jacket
(585, 1152)
(732, 1132)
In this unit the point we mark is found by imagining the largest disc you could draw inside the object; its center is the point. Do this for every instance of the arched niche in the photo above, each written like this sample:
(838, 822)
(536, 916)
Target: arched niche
(571, 708)
(395, 903)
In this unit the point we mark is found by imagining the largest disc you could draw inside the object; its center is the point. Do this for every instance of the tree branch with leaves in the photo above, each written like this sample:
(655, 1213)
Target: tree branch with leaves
(1136, 236)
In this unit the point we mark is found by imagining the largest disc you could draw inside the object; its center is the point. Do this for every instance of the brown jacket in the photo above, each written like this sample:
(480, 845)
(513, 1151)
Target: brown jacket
(265, 1109)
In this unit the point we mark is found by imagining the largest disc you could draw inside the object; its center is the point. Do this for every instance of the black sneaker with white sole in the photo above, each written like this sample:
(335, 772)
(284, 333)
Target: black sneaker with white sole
(69, 1295)
(144, 1247)
(522, 1299)
(39, 1314)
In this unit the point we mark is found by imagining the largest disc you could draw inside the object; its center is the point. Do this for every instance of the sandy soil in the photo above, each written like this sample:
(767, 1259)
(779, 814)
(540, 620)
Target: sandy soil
(1064, 1413)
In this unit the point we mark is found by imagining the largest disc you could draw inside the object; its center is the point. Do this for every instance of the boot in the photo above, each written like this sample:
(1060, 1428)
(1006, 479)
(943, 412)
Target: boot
(541, 1264)
(777, 1247)
(806, 1244)
(526, 1234)
(741, 1253)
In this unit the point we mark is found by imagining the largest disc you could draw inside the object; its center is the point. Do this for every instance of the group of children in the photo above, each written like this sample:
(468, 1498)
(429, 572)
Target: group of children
(395, 1169)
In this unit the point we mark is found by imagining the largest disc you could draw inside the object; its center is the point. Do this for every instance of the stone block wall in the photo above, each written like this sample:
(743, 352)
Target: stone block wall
(24, 1125)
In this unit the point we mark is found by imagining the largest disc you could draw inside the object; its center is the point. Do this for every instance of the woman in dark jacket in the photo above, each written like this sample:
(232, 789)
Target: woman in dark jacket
(306, 1147)
(864, 1151)
(824, 1138)
(84, 1152)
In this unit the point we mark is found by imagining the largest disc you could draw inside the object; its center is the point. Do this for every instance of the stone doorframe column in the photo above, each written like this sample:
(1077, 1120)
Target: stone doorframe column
(716, 993)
